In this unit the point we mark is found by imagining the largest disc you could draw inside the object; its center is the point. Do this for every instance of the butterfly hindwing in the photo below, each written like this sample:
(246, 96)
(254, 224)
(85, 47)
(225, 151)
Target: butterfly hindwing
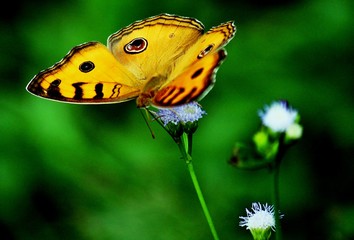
(87, 74)
(192, 84)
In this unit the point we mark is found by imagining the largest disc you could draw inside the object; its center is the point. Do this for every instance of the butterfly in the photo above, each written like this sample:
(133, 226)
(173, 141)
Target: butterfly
(163, 61)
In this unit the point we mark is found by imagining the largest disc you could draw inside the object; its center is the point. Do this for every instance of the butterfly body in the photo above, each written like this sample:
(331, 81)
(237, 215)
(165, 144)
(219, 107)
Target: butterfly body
(165, 60)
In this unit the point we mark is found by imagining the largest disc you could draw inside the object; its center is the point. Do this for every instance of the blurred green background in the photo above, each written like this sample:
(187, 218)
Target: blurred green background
(94, 172)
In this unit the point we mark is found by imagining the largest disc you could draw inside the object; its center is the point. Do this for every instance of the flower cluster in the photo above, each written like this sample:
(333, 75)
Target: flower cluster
(280, 118)
(280, 128)
(180, 119)
(190, 112)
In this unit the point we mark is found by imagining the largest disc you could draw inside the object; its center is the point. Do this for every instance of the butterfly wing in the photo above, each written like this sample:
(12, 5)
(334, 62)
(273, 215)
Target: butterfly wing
(192, 84)
(216, 38)
(87, 74)
(150, 47)
(210, 42)
(194, 73)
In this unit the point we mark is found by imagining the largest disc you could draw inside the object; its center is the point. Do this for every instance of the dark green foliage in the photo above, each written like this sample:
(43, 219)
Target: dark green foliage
(94, 172)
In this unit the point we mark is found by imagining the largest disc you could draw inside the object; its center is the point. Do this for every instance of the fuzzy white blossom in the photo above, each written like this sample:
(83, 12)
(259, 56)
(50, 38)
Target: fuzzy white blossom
(260, 217)
(190, 112)
(278, 116)
(260, 221)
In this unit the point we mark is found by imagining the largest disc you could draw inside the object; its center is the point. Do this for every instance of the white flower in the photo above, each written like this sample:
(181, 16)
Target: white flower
(168, 116)
(278, 116)
(259, 218)
(190, 112)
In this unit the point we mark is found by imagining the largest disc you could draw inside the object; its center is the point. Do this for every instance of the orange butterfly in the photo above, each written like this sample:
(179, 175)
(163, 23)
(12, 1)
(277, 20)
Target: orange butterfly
(165, 60)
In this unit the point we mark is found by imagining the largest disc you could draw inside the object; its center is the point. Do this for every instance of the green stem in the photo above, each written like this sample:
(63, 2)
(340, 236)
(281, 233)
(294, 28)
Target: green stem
(278, 235)
(276, 196)
(190, 142)
(185, 148)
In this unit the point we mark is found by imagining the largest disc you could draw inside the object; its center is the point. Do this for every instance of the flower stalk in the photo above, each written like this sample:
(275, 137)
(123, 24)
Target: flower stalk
(185, 147)
(278, 234)
(181, 122)
(276, 195)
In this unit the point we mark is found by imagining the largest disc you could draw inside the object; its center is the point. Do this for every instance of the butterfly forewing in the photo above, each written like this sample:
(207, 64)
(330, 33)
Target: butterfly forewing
(87, 74)
(167, 39)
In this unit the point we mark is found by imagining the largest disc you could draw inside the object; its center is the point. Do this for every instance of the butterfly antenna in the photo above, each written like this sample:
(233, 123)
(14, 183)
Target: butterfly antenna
(145, 113)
